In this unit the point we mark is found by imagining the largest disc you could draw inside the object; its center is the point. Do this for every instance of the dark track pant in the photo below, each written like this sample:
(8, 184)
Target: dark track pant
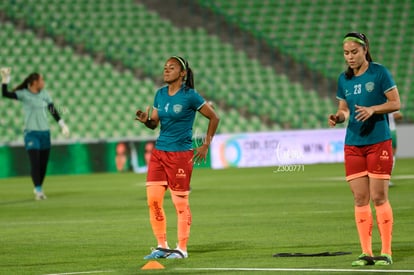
(38, 163)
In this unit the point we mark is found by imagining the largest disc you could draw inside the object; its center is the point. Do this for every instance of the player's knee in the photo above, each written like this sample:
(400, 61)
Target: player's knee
(379, 199)
(180, 202)
(361, 199)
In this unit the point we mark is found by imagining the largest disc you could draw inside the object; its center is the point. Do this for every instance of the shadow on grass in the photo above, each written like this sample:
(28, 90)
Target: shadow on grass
(220, 246)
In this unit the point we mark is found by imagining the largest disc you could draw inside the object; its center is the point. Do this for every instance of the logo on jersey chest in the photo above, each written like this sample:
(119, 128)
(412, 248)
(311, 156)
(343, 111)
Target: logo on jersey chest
(177, 108)
(369, 86)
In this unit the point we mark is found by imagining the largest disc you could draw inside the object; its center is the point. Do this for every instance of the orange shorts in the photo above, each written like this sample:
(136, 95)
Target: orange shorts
(374, 161)
(172, 169)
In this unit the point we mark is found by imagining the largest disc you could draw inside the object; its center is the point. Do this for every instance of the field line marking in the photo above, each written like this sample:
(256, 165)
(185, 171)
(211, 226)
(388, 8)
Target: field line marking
(403, 177)
(82, 272)
(340, 178)
(298, 269)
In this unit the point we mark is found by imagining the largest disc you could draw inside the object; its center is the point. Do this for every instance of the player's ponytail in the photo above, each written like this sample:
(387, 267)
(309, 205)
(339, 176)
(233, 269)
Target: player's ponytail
(28, 81)
(189, 80)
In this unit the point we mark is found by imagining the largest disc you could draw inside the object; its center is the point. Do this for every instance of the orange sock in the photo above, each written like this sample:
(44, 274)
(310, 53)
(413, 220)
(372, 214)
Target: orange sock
(385, 222)
(155, 199)
(363, 220)
(182, 207)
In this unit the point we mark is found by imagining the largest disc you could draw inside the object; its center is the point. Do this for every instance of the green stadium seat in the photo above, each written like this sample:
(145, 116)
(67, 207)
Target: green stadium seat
(128, 38)
(302, 33)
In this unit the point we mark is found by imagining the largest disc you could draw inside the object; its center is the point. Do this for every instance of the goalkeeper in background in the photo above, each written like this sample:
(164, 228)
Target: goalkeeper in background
(35, 101)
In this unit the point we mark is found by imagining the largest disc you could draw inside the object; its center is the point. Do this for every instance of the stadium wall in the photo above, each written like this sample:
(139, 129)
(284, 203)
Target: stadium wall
(83, 158)
(405, 134)
(282, 149)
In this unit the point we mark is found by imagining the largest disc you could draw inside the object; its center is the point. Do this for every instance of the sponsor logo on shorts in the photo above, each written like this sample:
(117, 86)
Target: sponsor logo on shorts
(384, 155)
(180, 173)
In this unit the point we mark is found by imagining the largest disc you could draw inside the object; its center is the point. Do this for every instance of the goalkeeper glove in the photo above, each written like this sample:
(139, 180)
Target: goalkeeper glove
(64, 127)
(5, 75)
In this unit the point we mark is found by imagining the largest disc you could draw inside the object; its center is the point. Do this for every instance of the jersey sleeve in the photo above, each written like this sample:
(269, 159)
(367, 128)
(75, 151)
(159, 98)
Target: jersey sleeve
(48, 98)
(156, 99)
(387, 81)
(197, 101)
(20, 95)
(340, 93)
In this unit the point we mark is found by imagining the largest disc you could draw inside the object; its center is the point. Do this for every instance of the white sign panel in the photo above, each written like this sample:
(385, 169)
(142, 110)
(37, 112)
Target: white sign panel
(277, 148)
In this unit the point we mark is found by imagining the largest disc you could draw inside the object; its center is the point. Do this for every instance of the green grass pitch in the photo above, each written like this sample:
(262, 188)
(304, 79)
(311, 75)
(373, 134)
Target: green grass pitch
(241, 217)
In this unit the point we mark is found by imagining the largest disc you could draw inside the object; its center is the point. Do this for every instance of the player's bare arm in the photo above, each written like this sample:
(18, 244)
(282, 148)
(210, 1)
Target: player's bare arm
(393, 104)
(208, 112)
(341, 115)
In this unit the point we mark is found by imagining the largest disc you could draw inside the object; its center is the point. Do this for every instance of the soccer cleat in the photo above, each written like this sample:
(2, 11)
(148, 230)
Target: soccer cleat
(177, 254)
(384, 259)
(158, 253)
(39, 195)
(363, 259)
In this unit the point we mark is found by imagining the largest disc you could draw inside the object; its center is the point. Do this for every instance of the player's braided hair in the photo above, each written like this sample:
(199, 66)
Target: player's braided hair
(28, 81)
(189, 80)
(363, 40)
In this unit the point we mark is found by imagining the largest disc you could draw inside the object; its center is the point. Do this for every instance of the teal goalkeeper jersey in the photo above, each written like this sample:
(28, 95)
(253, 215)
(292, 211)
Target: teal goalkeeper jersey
(176, 115)
(366, 90)
(35, 109)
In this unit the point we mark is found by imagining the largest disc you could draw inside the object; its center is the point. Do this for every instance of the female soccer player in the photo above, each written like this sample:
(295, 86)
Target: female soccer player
(35, 101)
(172, 159)
(366, 94)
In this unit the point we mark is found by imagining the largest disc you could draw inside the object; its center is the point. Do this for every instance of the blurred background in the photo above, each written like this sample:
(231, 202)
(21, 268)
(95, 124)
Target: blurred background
(268, 65)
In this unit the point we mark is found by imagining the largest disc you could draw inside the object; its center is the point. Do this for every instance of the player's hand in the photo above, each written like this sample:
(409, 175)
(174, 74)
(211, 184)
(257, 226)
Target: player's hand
(333, 120)
(142, 116)
(200, 154)
(64, 128)
(5, 75)
(363, 113)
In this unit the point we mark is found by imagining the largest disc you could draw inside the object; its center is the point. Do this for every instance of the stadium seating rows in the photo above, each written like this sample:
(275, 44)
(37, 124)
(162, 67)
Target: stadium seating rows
(311, 32)
(97, 101)
(125, 34)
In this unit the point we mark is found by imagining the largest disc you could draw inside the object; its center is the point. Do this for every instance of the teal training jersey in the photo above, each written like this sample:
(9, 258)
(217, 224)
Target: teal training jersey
(176, 115)
(35, 109)
(366, 90)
